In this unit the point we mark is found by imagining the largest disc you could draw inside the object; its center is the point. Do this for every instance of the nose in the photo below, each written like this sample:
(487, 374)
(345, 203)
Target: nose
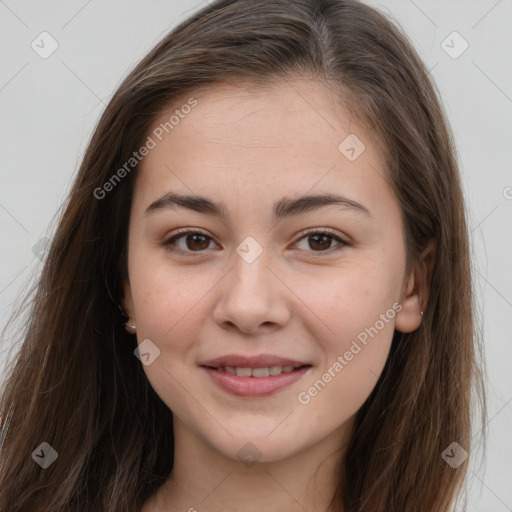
(253, 297)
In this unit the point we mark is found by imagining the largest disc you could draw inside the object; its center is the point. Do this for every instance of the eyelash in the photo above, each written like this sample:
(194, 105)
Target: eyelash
(303, 234)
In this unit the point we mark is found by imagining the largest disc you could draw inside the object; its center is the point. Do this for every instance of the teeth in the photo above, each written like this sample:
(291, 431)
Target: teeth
(256, 372)
(275, 370)
(244, 372)
(260, 372)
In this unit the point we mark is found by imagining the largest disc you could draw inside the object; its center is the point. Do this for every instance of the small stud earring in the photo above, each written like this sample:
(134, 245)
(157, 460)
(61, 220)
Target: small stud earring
(130, 328)
(422, 313)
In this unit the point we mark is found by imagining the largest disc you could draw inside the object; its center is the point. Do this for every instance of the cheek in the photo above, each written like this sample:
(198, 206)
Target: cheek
(354, 359)
(170, 313)
(168, 300)
(348, 299)
(354, 323)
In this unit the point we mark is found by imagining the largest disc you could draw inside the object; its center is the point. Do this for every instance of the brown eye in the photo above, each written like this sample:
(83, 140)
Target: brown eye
(320, 241)
(196, 242)
(193, 242)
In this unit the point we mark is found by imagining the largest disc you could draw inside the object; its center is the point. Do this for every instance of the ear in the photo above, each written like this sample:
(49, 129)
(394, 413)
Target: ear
(127, 300)
(416, 291)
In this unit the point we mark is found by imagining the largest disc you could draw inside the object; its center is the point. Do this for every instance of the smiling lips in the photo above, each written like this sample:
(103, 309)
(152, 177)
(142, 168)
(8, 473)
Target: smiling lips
(265, 371)
(254, 376)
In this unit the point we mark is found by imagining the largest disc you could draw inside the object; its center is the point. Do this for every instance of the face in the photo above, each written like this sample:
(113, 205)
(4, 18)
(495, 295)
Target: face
(277, 282)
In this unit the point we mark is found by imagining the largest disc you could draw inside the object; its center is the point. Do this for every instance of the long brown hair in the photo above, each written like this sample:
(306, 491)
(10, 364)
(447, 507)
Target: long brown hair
(76, 383)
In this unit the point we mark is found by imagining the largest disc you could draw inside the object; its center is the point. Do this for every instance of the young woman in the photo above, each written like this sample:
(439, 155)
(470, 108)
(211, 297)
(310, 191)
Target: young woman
(258, 296)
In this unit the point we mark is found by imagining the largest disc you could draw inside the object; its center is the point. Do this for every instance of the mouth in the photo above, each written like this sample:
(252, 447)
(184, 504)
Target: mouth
(258, 373)
(263, 377)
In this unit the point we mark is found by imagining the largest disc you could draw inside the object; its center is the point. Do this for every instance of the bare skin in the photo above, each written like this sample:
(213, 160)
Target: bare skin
(306, 296)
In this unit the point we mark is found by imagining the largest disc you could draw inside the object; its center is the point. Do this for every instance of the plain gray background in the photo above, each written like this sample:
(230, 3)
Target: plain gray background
(49, 107)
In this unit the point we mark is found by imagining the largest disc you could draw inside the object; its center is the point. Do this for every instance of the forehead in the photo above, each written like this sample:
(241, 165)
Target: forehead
(285, 136)
(250, 113)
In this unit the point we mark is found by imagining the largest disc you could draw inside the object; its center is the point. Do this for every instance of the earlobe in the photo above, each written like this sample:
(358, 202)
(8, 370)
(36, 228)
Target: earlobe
(416, 291)
(409, 317)
(127, 305)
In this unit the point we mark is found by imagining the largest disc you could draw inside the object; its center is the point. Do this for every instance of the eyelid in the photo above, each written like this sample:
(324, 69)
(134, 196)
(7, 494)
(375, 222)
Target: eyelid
(181, 232)
(323, 231)
(302, 234)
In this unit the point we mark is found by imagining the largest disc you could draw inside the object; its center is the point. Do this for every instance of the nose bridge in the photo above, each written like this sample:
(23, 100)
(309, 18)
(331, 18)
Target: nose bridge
(252, 295)
(250, 275)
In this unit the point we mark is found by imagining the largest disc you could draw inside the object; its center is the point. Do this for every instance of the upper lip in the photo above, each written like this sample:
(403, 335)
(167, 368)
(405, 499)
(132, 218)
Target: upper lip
(260, 361)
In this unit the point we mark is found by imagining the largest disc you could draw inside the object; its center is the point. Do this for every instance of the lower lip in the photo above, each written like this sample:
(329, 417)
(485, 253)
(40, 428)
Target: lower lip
(255, 386)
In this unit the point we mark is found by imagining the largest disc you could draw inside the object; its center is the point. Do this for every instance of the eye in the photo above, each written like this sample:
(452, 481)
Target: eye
(320, 240)
(196, 242)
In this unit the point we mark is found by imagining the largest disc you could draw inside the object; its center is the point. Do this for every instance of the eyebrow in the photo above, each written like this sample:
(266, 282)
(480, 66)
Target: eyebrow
(285, 207)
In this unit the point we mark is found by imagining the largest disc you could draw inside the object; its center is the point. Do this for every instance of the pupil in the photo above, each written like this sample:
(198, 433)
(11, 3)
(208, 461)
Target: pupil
(322, 244)
(324, 237)
(195, 237)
